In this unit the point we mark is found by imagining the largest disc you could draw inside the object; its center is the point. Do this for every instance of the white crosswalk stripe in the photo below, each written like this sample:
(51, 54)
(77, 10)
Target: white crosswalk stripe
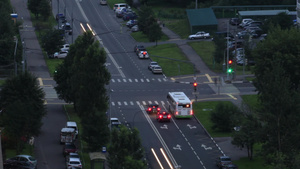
(139, 80)
(135, 103)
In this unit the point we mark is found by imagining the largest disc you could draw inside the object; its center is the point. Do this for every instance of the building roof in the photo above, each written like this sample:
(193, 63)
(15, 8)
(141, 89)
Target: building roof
(262, 13)
(201, 17)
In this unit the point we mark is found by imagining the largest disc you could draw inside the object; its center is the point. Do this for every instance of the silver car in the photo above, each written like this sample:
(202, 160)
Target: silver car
(24, 158)
(156, 69)
(135, 28)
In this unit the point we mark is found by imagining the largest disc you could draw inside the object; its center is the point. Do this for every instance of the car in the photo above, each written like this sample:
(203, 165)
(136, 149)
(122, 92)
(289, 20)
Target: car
(256, 33)
(18, 165)
(152, 64)
(60, 55)
(121, 12)
(263, 37)
(72, 124)
(143, 55)
(138, 48)
(153, 108)
(163, 116)
(115, 122)
(120, 5)
(200, 35)
(73, 162)
(242, 34)
(67, 27)
(230, 166)
(130, 16)
(131, 23)
(234, 21)
(223, 161)
(244, 22)
(135, 28)
(157, 70)
(69, 148)
(65, 47)
(23, 158)
(72, 155)
(103, 2)
(60, 16)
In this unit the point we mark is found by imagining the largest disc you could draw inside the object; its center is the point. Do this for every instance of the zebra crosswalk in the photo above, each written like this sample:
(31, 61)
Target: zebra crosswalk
(139, 80)
(137, 103)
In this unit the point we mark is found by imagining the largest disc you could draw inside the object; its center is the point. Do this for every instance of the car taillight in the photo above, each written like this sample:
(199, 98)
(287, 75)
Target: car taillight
(169, 116)
(160, 116)
(149, 109)
(176, 113)
(158, 109)
(191, 113)
(144, 53)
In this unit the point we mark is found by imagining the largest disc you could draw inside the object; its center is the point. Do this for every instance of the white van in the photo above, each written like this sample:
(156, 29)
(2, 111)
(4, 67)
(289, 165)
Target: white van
(121, 5)
(72, 124)
(67, 135)
(103, 2)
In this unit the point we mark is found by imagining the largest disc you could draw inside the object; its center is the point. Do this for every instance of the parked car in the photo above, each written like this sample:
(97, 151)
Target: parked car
(73, 162)
(131, 23)
(69, 148)
(230, 166)
(65, 47)
(130, 16)
(72, 155)
(120, 5)
(73, 124)
(200, 35)
(138, 48)
(222, 161)
(153, 108)
(234, 21)
(18, 165)
(143, 55)
(115, 122)
(244, 22)
(263, 37)
(23, 158)
(60, 55)
(157, 70)
(135, 28)
(163, 116)
(67, 27)
(256, 33)
(152, 64)
(121, 12)
(60, 16)
(103, 2)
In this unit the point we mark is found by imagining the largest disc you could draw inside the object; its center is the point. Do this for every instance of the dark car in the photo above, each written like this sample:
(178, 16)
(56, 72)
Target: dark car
(230, 166)
(138, 48)
(153, 108)
(129, 16)
(163, 116)
(234, 21)
(69, 148)
(23, 158)
(60, 16)
(222, 161)
(17, 165)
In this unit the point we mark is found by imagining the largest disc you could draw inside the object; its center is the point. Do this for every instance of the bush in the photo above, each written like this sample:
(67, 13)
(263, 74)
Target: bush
(225, 117)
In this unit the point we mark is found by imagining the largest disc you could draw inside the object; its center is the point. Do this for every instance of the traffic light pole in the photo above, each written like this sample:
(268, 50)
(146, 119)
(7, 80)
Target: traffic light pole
(227, 50)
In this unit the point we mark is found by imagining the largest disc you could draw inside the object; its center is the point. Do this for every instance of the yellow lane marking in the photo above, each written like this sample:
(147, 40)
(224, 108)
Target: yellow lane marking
(234, 98)
(209, 78)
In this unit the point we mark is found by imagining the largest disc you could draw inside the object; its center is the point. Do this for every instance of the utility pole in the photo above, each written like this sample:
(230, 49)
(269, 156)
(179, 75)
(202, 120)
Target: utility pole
(227, 49)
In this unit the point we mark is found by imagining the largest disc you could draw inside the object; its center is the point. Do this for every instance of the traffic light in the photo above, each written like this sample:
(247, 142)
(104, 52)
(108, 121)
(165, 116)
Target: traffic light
(195, 86)
(229, 70)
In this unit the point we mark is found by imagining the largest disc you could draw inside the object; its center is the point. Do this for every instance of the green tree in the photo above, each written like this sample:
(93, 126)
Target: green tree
(146, 18)
(125, 149)
(225, 117)
(95, 131)
(220, 44)
(51, 41)
(33, 6)
(277, 81)
(154, 33)
(44, 9)
(22, 105)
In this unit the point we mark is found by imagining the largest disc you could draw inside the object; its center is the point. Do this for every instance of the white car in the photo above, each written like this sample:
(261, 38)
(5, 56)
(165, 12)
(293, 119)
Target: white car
(245, 21)
(64, 47)
(152, 64)
(115, 122)
(156, 69)
(73, 162)
(200, 35)
(60, 55)
(143, 55)
(135, 28)
(67, 27)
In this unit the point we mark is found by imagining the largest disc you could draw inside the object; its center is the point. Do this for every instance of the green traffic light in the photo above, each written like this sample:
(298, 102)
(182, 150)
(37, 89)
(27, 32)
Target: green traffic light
(229, 70)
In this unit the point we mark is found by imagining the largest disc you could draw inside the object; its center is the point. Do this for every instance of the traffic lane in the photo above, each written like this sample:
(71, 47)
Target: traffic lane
(48, 149)
(135, 118)
(183, 153)
(201, 143)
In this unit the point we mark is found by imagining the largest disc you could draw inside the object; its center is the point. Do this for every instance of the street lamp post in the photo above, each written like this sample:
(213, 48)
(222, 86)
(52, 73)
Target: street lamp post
(15, 52)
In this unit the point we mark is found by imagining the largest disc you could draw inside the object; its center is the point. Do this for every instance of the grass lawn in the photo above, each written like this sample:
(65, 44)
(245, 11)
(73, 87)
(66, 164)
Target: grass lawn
(28, 150)
(202, 111)
(246, 163)
(180, 27)
(140, 37)
(52, 64)
(171, 59)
